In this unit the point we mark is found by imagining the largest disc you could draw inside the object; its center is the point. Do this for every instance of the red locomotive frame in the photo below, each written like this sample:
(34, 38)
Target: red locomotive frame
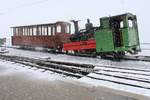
(82, 45)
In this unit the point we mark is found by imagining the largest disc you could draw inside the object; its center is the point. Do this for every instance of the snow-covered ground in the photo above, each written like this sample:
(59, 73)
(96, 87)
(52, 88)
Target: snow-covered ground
(138, 65)
(125, 88)
(145, 50)
(85, 60)
(13, 68)
(17, 82)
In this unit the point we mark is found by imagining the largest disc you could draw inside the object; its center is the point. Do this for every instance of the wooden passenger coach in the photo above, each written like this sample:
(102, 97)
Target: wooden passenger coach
(51, 35)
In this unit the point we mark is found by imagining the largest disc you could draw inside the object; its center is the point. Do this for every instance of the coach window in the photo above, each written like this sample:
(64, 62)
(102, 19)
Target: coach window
(16, 31)
(58, 28)
(39, 30)
(45, 29)
(23, 31)
(13, 30)
(68, 29)
(26, 31)
(34, 31)
(30, 31)
(49, 30)
(42, 33)
(53, 30)
(19, 31)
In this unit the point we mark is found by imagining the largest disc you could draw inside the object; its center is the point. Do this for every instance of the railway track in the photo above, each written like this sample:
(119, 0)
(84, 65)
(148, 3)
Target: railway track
(137, 58)
(127, 57)
(65, 68)
(133, 77)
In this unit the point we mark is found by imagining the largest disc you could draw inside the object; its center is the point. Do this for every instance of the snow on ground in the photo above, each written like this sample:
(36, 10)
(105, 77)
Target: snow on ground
(96, 61)
(145, 52)
(17, 82)
(123, 72)
(85, 60)
(109, 80)
(13, 68)
(119, 87)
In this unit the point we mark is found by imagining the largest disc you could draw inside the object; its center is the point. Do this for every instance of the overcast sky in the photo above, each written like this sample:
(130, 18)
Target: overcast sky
(24, 12)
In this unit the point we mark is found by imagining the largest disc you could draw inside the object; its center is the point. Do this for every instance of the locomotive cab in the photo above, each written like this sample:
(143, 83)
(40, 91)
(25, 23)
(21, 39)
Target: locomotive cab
(117, 35)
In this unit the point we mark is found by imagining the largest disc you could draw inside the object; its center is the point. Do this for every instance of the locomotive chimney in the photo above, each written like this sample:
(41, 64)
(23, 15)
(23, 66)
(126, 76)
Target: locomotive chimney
(76, 27)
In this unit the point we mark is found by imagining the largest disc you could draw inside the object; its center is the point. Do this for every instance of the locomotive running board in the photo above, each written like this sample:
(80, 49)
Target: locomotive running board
(82, 45)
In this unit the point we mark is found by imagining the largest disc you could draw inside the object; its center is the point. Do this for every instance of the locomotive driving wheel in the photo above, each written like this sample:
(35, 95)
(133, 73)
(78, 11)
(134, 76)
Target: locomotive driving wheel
(119, 55)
